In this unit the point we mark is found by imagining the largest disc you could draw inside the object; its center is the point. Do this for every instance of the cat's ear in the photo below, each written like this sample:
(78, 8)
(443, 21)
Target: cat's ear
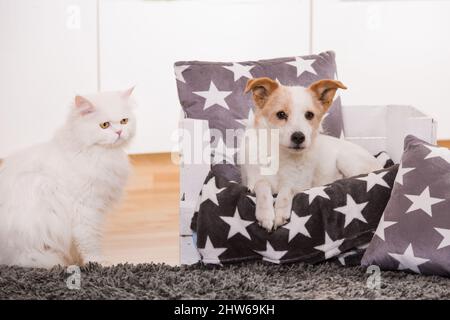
(127, 93)
(83, 105)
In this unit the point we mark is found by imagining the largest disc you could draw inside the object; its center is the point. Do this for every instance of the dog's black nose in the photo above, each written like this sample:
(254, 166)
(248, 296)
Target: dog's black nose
(298, 137)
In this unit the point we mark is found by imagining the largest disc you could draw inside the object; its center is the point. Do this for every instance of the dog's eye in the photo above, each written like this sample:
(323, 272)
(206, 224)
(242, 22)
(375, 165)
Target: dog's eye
(309, 115)
(282, 115)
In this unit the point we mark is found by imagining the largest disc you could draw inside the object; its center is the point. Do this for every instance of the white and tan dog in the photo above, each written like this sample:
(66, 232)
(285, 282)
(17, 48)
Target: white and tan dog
(307, 158)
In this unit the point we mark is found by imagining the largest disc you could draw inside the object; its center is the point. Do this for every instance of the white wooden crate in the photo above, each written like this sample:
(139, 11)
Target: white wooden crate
(376, 128)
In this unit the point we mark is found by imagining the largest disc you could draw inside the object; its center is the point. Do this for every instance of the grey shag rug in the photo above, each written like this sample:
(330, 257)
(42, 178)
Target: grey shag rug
(242, 281)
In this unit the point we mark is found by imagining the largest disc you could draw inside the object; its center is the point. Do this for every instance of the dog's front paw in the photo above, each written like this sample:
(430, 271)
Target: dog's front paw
(282, 216)
(265, 218)
(266, 224)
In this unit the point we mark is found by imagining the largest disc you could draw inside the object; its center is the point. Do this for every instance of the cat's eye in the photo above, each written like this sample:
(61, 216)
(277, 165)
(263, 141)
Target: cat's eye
(124, 121)
(282, 115)
(104, 125)
(309, 115)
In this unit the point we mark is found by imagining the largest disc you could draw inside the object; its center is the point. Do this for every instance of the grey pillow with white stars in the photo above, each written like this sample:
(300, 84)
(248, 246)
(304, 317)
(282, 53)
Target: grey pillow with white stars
(414, 232)
(214, 91)
(335, 221)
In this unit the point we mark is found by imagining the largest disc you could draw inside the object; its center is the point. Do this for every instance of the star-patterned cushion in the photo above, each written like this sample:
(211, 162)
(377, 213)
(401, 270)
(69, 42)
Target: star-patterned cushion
(414, 232)
(214, 91)
(332, 221)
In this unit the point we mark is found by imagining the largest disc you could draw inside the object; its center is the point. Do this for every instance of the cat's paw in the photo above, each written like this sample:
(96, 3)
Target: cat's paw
(97, 259)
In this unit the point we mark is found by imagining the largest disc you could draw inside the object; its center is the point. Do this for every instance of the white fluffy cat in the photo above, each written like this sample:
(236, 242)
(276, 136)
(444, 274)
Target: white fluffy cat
(54, 196)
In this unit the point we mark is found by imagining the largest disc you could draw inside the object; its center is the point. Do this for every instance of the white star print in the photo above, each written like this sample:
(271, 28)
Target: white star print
(252, 198)
(297, 225)
(316, 192)
(330, 247)
(446, 234)
(250, 118)
(240, 70)
(363, 246)
(237, 225)
(223, 154)
(443, 153)
(382, 226)
(210, 191)
(422, 202)
(302, 65)
(209, 253)
(242, 121)
(401, 172)
(342, 256)
(407, 260)
(352, 210)
(282, 83)
(179, 73)
(373, 179)
(213, 96)
(271, 255)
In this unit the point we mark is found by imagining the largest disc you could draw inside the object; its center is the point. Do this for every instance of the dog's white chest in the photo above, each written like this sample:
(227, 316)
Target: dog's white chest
(297, 173)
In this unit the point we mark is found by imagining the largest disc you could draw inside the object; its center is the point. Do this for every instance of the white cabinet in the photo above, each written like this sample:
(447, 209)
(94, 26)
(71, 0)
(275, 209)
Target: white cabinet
(140, 41)
(390, 52)
(48, 52)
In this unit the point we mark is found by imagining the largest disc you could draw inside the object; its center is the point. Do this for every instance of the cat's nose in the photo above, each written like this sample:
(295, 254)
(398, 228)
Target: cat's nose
(119, 132)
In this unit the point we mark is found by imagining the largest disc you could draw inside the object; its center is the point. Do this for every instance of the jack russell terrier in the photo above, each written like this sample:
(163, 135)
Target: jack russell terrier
(306, 157)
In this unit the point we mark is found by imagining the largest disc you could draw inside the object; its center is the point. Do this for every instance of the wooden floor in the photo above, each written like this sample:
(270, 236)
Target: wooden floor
(144, 228)
(444, 143)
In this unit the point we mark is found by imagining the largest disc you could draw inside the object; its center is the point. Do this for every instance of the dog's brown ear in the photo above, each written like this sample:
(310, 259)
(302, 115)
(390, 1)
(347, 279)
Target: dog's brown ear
(324, 90)
(262, 88)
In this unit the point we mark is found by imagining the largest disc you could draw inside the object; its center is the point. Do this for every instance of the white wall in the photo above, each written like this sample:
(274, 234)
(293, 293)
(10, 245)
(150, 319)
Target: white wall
(141, 40)
(390, 52)
(47, 54)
